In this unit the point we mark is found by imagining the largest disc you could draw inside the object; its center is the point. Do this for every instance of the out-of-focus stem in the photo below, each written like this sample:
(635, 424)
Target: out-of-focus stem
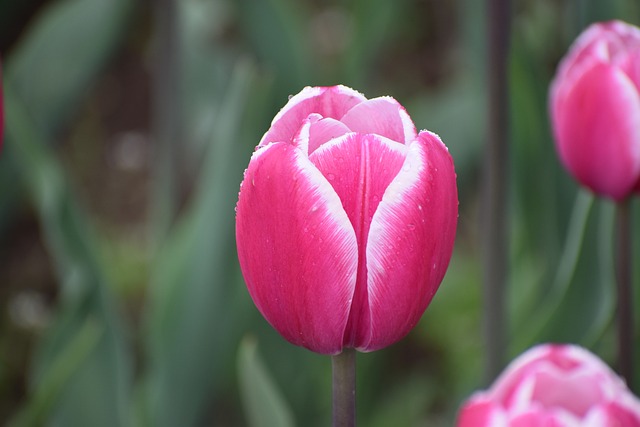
(344, 388)
(624, 297)
(494, 237)
(166, 116)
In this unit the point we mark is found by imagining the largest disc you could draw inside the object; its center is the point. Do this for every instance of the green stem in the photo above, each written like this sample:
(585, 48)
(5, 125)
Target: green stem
(495, 188)
(166, 117)
(625, 298)
(344, 388)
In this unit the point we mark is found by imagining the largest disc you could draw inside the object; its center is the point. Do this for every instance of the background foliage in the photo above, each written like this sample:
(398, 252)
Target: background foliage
(127, 132)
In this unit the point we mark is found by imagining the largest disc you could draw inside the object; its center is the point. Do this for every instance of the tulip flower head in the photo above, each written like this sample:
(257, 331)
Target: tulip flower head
(595, 109)
(554, 386)
(345, 221)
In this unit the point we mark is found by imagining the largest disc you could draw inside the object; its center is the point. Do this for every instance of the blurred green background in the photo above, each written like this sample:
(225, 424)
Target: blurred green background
(128, 127)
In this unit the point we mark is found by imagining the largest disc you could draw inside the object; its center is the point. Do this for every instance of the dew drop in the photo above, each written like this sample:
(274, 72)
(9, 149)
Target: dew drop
(411, 226)
(331, 177)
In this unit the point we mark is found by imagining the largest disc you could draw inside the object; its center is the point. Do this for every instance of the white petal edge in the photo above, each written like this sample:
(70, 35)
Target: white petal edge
(402, 184)
(306, 93)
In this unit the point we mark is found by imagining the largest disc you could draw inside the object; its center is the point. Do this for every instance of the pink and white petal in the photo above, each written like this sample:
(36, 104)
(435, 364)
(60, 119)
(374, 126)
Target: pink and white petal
(331, 102)
(410, 241)
(630, 64)
(360, 167)
(611, 414)
(296, 247)
(575, 392)
(383, 116)
(480, 411)
(628, 35)
(301, 138)
(505, 387)
(325, 130)
(621, 413)
(598, 132)
(538, 417)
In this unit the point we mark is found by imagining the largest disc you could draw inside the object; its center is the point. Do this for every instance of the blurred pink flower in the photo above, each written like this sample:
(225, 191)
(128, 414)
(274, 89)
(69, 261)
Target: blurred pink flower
(345, 220)
(554, 386)
(595, 109)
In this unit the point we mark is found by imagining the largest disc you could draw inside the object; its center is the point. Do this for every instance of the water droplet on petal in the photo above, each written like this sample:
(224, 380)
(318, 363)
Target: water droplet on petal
(411, 226)
(331, 177)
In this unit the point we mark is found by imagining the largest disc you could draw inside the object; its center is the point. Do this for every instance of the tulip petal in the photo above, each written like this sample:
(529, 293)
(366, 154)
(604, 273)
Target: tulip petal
(332, 102)
(481, 412)
(618, 414)
(316, 130)
(301, 138)
(410, 241)
(296, 247)
(360, 167)
(383, 116)
(325, 130)
(597, 127)
(537, 417)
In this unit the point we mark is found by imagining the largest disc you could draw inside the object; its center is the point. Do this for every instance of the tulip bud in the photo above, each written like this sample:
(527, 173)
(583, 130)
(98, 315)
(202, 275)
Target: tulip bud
(345, 221)
(595, 109)
(555, 386)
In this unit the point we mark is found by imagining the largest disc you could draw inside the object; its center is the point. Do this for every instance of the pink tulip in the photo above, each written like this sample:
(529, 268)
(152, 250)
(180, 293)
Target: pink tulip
(595, 109)
(345, 221)
(554, 386)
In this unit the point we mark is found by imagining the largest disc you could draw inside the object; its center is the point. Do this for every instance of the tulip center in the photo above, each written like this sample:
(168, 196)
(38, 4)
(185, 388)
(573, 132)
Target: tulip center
(359, 167)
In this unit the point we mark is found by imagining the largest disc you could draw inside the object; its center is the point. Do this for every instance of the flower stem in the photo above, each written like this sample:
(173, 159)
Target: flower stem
(625, 298)
(166, 117)
(344, 388)
(495, 223)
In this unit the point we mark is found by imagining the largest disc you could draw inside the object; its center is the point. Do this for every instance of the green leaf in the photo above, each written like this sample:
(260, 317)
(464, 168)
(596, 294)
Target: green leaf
(61, 55)
(532, 325)
(87, 327)
(51, 68)
(274, 29)
(55, 378)
(263, 402)
(197, 301)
